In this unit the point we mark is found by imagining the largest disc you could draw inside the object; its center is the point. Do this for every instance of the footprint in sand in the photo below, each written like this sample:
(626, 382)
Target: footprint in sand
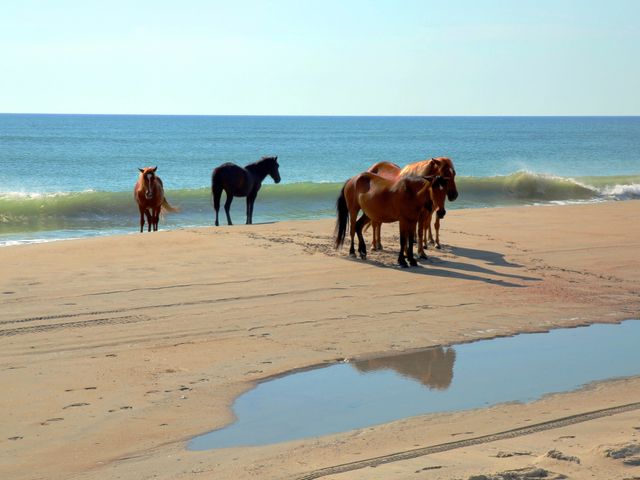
(558, 455)
(49, 420)
(511, 454)
(79, 404)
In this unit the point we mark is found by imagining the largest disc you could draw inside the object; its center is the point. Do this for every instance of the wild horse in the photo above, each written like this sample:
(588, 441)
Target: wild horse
(443, 168)
(149, 194)
(382, 200)
(241, 182)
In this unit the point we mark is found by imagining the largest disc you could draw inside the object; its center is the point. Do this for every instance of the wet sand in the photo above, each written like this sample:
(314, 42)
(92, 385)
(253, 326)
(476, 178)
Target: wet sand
(118, 350)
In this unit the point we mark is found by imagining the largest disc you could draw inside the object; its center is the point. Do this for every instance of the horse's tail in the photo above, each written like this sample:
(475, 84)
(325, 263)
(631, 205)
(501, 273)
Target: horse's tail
(168, 208)
(342, 211)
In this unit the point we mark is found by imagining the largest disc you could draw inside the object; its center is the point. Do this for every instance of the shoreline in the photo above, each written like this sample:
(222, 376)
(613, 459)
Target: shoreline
(109, 333)
(120, 231)
(26, 219)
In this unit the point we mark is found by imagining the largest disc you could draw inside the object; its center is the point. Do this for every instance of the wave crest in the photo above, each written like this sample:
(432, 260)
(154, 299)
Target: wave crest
(40, 211)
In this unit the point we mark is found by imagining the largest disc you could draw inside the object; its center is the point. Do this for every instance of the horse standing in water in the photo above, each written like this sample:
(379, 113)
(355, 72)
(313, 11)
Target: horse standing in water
(241, 182)
(384, 201)
(149, 194)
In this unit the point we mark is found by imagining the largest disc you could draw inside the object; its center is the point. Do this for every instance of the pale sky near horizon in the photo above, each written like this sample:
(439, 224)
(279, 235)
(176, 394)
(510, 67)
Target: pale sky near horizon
(328, 57)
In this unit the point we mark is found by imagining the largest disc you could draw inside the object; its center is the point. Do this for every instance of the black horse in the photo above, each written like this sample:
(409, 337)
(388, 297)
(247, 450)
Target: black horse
(241, 182)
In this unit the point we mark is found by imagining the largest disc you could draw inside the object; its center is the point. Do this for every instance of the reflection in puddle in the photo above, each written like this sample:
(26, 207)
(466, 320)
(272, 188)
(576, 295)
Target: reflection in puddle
(433, 367)
(345, 396)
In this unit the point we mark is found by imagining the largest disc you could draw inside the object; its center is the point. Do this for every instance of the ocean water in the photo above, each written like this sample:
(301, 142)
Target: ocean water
(69, 176)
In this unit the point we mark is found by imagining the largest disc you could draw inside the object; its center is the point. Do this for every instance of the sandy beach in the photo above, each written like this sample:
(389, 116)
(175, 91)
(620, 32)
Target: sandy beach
(117, 350)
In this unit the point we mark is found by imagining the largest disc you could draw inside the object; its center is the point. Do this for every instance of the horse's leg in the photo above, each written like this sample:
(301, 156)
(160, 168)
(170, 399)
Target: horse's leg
(411, 233)
(429, 228)
(251, 198)
(156, 218)
(147, 213)
(353, 215)
(142, 210)
(403, 244)
(362, 246)
(227, 207)
(421, 231)
(217, 193)
(437, 227)
(376, 244)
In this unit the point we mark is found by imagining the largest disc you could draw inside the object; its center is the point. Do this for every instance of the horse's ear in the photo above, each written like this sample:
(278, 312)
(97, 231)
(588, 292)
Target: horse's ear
(141, 170)
(154, 169)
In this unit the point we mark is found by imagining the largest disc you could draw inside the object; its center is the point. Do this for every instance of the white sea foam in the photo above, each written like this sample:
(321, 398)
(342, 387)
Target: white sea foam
(622, 192)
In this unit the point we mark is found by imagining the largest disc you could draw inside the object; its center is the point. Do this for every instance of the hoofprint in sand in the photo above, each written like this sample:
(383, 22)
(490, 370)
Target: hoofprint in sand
(118, 350)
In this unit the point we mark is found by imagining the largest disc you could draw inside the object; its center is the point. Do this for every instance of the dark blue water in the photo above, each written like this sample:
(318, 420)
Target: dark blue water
(66, 175)
(356, 395)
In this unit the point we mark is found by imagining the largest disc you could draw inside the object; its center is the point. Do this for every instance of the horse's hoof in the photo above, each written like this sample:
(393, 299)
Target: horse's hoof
(438, 246)
(413, 262)
(352, 254)
(423, 256)
(363, 256)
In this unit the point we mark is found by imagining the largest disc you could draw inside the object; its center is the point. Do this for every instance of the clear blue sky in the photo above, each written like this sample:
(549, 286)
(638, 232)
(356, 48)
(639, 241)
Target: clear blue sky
(328, 57)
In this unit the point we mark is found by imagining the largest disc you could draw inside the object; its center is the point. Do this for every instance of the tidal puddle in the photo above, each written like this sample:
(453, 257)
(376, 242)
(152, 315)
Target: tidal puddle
(349, 396)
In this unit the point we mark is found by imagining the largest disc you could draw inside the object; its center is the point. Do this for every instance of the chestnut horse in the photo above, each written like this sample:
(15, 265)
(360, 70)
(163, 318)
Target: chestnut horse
(149, 194)
(381, 200)
(443, 168)
(442, 171)
(241, 182)
(387, 170)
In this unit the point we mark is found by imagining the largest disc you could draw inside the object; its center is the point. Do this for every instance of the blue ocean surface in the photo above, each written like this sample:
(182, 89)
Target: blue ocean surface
(68, 176)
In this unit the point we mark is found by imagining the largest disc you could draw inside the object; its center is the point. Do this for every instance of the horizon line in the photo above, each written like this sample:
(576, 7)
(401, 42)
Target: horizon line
(325, 115)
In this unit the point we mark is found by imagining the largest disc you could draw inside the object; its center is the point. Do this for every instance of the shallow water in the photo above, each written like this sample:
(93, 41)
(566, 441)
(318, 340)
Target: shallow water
(67, 176)
(355, 395)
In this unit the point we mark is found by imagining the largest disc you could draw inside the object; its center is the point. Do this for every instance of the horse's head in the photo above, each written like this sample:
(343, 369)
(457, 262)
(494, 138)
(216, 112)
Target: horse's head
(446, 171)
(273, 168)
(439, 189)
(148, 177)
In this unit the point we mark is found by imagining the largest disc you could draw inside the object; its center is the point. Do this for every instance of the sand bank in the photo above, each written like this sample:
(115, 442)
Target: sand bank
(117, 350)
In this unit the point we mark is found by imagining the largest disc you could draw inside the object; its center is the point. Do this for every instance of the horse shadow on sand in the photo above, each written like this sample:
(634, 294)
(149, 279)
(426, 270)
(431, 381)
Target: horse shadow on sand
(487, 256)
(437, 266)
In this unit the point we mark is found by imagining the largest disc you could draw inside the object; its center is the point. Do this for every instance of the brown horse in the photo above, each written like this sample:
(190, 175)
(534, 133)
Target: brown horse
(441, 167)
(149, 193)
(381, 200)
(391, 171)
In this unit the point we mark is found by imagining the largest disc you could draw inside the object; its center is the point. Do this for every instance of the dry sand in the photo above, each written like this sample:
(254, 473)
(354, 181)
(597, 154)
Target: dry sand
(115, 351)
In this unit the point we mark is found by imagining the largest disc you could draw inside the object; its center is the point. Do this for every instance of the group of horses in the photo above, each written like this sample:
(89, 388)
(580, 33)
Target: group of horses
(228, 177)
(388, 193)
(385, 193)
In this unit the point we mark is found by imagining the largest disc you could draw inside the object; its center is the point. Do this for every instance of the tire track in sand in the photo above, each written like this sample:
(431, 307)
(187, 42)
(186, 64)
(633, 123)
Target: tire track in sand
(170, 305)
(493, 437)
(8, 332)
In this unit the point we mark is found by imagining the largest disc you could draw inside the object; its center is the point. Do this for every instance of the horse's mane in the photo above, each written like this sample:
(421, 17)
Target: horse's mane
(261, 162)
(264, 159)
